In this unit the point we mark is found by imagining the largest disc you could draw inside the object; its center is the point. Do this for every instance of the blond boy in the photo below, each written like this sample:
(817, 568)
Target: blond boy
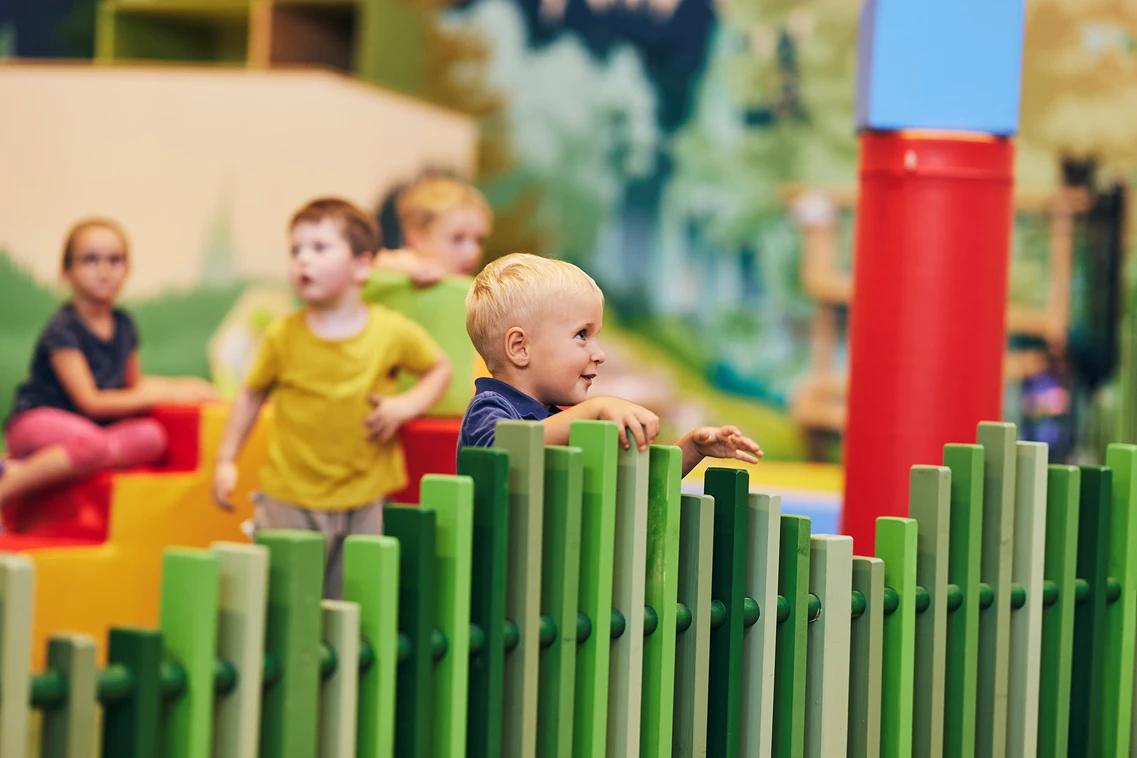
(536, 323)
(333, 453)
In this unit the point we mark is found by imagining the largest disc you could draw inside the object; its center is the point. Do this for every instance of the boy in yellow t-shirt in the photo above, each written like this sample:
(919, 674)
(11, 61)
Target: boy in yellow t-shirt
(333, 453)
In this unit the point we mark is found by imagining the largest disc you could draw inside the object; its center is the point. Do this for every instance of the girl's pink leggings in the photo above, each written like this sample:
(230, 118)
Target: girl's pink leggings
(90, 447)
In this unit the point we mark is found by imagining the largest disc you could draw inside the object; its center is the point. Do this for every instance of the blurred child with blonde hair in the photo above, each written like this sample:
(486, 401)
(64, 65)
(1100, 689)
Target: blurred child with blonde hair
(445, 223)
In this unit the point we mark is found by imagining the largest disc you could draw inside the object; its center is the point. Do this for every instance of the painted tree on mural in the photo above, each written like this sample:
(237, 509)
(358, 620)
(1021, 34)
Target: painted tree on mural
(457, 57)
(1079, 97)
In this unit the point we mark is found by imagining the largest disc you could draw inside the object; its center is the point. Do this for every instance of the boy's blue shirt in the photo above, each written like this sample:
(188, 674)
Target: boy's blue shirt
(493, 401)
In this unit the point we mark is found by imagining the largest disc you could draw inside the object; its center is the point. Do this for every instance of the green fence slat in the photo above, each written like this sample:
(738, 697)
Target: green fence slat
(791, 654)
(414, 528)
(1122, 615)
(452, 500)
(490, 471)
(896, 545)
(730, 489)
(132, 727)
(16, 591)
(1026, 622)
(242, 599)
(525, 443)
(866, 660)
(998, 441)
(929, 502)
(961, 667)
(692, 648)
(1060, 566)
(371, 580)
(68, 730)
(290, 708)
(827, 662)
(1087, 687)
(188, 622)
(560, 579)
(759, 642)
(598, 443)
(339, 692)
(625, 677)
(661, 593)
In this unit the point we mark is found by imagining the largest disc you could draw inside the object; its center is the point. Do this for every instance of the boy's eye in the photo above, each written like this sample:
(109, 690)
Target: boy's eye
(582, 334)
(295, 250)
(319, 247)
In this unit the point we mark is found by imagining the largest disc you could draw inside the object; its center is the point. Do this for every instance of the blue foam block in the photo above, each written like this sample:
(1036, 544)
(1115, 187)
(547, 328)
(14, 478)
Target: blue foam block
(947, 64)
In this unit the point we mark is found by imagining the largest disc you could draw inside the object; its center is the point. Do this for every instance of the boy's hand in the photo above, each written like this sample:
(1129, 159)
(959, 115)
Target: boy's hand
(224, 481)
(390, 413)
(643, 423)
(725, 442)
(427, 273)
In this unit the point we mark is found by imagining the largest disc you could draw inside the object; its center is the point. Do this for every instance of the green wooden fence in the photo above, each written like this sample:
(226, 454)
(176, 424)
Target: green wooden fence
(570, 601)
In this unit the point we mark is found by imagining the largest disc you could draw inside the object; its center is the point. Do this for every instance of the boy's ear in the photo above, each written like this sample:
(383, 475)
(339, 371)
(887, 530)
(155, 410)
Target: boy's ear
(361, 266)
(517, 347)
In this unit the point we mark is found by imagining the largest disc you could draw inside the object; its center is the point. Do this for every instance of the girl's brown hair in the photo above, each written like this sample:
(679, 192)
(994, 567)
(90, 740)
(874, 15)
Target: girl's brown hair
(82, 226)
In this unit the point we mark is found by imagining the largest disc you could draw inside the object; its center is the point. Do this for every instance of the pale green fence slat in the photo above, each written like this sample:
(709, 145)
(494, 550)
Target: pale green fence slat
(338, 693)
(998, 441)
(242, 597)
(16, 583)
(692, 653)
(1026, 622)
(625, 679)
(69, 729)
(866, 660)
(929, 502)
(759, 642)
(827, 669)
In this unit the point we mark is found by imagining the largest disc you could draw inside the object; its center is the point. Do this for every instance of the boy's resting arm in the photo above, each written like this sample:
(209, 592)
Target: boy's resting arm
(643, 424)
(242, 416)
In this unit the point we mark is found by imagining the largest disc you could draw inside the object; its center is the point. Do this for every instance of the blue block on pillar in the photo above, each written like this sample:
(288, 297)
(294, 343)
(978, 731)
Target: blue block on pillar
(943, 64)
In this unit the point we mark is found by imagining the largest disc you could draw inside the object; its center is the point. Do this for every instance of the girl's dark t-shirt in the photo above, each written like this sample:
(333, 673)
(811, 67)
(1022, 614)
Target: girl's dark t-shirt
(107, 359)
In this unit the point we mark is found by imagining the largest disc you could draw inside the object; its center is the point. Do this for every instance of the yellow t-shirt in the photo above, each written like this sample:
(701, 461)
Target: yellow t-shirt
(319, 456)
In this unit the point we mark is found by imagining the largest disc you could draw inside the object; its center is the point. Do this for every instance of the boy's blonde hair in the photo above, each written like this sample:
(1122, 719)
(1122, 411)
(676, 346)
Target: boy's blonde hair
(427, 200)
(513, 290)
(359, 229)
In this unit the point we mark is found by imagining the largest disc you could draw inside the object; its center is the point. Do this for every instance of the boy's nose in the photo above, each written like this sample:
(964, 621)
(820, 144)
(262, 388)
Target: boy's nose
(598, 356)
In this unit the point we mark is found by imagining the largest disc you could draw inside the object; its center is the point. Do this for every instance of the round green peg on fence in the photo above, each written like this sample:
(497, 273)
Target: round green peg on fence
(923, 599)
(682, 617)
(328, 661)
(860, 605)
(1081, 591)
(477, 639)
(548, 632)
(583, 627)
(986, 596)
(224, 677)
(1049, 593)
(891, 601)
(783, 609)
(750, 612)
(49, 690)
(1112, 591)
(651, 620)
(511, 634)
(366, 655)
(1018, 596)
(439, 644)
(271, 671)
(173, 680)
(718, 614)
(619, 624)
(404, 647)
(954, 598)
(814, 606)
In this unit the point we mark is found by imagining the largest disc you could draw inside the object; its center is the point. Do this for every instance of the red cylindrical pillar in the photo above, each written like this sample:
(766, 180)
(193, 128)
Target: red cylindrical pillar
(928, 318)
